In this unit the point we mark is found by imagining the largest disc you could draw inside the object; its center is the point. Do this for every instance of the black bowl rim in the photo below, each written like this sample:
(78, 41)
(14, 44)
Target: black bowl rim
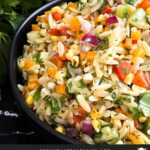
(13, 81)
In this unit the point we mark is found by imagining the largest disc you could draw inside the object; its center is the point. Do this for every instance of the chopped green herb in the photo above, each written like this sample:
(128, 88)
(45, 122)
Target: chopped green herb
(63, 99)
(37, 95)
(121, 100)
(114, 96)
(82, 84)
(125, 70)
(69, 87)
(54, 104)
(103, 44)
(135, 113)
(37, 58)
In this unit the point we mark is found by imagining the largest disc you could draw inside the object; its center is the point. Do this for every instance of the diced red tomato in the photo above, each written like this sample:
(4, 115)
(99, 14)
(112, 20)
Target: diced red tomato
(81, 116)
(57, 16)
(136, 123)
(145, 4)
(107, 10)
(57, 61)
(123, 69)
(140, 79)
(63, 31)
(54, 32)
(134, 41)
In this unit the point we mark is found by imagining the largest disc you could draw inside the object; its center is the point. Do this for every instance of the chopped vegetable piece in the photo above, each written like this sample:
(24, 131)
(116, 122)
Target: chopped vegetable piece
(81, 116)
(107, 10)
(91, 55)
(139, 52)
(52, 71)
(33, 85)
(60, 89)
(69, 87)
(137, 17)
(35, 27)
(57, 61)
(136, 35)
(94, 114)
(91, 39)
(136, 138)
(145, 104)
(111, 20)
(128, 43)
(140, 79)
(52, 101)
(72, 5)
(75, 24)
(37, 95)
(147, 127)
(136, 114)
(132, 2)
(145, 4)
(54, 32)
(122, 11)
(103, 44)
(57, 16)
(123, 69)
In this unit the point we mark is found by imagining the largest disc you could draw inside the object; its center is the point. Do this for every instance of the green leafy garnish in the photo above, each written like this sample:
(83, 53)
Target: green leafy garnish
(135, 113)
(114, 96)
(52, 101)
(69, 87)
(82, 84)
(37, 94)
(145, 104)
(63, 99)
(103, 44)
(37, 58)
(121, 100)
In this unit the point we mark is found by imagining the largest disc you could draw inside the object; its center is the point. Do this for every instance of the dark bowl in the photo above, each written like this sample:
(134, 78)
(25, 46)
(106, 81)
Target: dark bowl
(45, 131)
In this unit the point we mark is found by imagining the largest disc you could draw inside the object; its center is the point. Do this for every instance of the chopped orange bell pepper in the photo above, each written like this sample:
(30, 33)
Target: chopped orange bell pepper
(136, 35)
(128, 43)
(91, 55)
(139, 52)
(60, 89)
(75, 24)
(52, 71)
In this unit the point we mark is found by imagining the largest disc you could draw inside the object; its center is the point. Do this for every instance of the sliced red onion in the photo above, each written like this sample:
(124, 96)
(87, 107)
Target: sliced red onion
(72, 132)
(91, 39)
(87, 128)
(111, 20)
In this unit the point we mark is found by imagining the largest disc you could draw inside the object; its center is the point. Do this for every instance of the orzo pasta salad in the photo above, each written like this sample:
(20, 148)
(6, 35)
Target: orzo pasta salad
(86, 67)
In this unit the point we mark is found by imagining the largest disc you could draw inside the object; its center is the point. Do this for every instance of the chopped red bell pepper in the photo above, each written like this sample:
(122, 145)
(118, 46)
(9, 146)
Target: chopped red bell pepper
(122, 69)
(107, 10)
(140, 79)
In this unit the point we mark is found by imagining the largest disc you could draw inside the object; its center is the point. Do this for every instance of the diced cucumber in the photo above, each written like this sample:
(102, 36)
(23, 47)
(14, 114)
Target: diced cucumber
(103, 137)
(122, 11)
(147, 127)
(139, 16)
